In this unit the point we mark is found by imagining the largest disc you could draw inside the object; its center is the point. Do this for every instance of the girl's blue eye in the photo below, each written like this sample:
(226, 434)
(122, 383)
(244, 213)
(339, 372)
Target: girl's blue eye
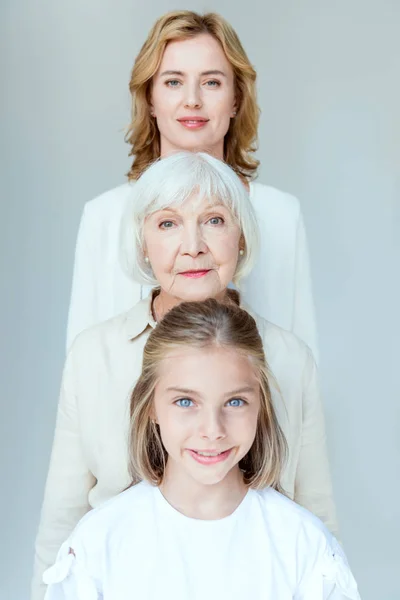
(236, 402)
(184, 403)
(213, 83)
(216, 221)
(172, 83)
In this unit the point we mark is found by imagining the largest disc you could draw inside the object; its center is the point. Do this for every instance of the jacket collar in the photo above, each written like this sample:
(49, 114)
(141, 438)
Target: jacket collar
(140, 317)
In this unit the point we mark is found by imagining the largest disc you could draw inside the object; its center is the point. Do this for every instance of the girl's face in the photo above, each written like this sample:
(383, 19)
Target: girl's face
(193, 96)
(206, 404)
(193, 249)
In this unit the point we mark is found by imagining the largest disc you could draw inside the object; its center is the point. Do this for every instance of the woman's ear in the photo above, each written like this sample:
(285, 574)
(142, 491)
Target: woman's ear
(234, 109)
(144, 253)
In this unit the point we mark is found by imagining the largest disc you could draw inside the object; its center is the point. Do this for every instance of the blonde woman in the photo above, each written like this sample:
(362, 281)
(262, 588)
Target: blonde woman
(193, 87)
(207, 519)
(190, 230)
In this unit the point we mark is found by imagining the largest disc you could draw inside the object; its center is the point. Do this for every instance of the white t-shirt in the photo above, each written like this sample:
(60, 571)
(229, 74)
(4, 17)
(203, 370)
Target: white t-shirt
(138, 547)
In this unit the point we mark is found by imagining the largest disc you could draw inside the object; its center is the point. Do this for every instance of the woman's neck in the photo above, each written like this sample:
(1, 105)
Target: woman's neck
(164, 302)
(203, 501)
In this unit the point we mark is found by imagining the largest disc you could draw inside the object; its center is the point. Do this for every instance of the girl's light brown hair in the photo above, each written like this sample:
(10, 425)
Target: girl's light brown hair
(143, 135)
(201, 325)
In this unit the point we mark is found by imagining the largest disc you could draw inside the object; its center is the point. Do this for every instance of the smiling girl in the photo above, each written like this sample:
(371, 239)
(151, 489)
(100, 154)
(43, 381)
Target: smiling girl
(208, 519)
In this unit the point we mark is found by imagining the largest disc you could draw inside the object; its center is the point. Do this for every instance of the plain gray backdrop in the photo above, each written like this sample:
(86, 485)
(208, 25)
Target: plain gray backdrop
(330, 133)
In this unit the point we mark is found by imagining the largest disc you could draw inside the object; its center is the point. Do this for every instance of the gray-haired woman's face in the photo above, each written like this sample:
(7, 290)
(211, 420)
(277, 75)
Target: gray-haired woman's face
(193, 249)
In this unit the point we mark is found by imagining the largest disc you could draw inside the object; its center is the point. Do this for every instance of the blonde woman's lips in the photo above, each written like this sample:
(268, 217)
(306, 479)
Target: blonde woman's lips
(193, 122)
(195, 274)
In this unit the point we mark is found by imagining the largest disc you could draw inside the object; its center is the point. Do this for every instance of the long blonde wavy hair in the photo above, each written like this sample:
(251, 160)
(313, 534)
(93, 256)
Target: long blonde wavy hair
(203, 325)
(143, 134)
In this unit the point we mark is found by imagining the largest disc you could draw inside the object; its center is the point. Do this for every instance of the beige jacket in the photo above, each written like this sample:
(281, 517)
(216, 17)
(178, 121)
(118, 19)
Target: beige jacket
(89, 457)
(278, 287)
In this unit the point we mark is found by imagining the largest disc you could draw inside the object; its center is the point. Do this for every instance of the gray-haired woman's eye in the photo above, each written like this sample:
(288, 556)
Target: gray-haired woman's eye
(216, 221)
(166, 224)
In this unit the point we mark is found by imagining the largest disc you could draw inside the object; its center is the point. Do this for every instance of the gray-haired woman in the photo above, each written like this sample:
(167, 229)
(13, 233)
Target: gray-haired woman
(192, 231)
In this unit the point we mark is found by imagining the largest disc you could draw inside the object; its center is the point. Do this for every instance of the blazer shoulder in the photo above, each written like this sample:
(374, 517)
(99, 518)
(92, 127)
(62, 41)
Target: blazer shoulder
(101, 335)
(276, 337)
(268, 196)
(108, 203)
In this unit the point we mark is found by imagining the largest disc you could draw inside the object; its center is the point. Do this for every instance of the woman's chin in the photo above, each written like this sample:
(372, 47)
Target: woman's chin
(197, 291)
(191, 294)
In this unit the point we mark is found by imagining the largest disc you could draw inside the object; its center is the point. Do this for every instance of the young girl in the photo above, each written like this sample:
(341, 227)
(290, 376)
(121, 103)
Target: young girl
(208, 520)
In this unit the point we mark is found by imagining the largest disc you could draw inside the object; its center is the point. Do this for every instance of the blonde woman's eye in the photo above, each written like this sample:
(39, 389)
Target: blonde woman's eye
(184, 403)
(213, 83)
(236, 402)
(166, 224)
(172, 83)
(216, 221)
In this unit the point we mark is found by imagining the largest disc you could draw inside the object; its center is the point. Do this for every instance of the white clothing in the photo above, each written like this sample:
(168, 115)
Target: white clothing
(89, 462)
(138, 546)
(278, 289)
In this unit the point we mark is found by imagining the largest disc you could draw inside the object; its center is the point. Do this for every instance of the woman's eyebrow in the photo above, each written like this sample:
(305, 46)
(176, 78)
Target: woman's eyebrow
(171, 73)
(214, 72)
(181, 73)
(165, 210)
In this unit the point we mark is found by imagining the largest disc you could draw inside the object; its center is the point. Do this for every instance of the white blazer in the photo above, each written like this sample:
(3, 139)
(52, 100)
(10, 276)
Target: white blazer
(278, 289)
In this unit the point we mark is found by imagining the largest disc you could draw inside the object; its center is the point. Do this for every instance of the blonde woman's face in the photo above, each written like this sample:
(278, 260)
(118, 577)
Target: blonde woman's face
(193, 250)
(206, 404)
(193, 96)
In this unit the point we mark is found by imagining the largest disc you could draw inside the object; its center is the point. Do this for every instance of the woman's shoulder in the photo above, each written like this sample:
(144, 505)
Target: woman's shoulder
(273, 200)
(109, 203)
(108, 334)
(277, 338)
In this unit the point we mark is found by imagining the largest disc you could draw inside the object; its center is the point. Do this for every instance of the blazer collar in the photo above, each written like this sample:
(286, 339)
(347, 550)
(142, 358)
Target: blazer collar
(140, 317)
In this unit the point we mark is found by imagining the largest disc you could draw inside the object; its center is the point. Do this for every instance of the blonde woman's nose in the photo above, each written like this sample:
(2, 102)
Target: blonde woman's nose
(193, 96)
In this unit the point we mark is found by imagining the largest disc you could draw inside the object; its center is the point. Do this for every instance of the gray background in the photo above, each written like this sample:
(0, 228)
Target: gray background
(330, 94)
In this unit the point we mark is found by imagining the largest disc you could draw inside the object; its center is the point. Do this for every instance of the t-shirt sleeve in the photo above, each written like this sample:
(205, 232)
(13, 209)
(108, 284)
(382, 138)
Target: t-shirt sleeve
(330, 577)
(70, 577)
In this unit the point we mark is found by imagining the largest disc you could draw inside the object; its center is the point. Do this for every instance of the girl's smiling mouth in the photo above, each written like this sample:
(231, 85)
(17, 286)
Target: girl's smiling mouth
(209, 457)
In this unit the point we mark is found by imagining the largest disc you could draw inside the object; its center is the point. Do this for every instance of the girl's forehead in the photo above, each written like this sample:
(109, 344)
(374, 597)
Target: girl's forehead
(186, 358)
(212, 374)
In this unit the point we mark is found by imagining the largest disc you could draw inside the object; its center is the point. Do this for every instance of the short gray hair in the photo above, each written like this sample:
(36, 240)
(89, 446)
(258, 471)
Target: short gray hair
(171, 181)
